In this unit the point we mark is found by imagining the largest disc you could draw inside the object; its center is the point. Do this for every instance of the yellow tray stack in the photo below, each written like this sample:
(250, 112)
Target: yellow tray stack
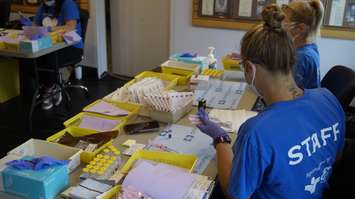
(184, 75)
(85, 157)
(180, 160)
(171, 79)
(75, 121)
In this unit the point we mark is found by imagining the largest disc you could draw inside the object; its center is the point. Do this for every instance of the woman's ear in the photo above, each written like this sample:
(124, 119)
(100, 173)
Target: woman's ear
(248, 71)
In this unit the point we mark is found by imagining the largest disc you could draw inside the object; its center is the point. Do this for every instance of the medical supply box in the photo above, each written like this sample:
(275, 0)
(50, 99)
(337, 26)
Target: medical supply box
(32, 46)
(42, 184)
(40, 148)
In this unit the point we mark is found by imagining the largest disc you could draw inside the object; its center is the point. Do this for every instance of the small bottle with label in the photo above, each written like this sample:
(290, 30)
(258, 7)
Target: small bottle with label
(212, 61)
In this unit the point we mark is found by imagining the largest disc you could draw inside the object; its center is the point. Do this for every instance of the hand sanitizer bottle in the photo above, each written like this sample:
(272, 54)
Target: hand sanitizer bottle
(212, 61)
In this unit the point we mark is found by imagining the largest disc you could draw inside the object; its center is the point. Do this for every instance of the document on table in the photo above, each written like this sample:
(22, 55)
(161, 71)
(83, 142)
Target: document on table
(207, 7)
(98, 124)
(186, 140)
(158, 180)
(337, 13)
(106, 108)
(230, 120)
(221, 94)
(245, 8)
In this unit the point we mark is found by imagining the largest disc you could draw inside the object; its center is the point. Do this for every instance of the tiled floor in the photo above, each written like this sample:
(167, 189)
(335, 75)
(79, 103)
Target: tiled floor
(46, 123)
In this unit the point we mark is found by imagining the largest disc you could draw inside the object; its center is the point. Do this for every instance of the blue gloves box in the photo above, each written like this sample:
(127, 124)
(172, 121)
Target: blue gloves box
(31, 184)
(199, 60)
(32, 46)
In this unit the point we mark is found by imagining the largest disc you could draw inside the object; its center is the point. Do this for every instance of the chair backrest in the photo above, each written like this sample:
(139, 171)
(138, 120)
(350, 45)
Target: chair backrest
(84, 20)
(5, 7)
(340, 80)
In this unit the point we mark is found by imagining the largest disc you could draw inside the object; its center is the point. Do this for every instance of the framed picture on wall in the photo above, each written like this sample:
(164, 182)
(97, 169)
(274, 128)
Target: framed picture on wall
(207, 7)
(349, 19)
(221, 7)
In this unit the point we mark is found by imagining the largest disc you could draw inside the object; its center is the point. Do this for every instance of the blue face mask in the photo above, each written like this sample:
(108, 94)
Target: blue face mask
(50, 3)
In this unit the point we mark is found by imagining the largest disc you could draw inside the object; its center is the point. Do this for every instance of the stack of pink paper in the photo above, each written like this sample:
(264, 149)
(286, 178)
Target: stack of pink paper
(106, 108)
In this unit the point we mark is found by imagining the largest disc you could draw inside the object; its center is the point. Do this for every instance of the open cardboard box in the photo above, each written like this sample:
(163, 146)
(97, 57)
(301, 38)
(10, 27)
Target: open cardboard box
(39, 148)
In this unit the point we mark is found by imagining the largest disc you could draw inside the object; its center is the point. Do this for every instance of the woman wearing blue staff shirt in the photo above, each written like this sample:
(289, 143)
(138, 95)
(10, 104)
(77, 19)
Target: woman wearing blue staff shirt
(59, 15)
(303, 20)
(287, 151)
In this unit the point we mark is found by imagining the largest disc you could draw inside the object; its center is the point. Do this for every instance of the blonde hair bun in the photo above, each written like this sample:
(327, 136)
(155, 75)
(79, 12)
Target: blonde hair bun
(273, 16)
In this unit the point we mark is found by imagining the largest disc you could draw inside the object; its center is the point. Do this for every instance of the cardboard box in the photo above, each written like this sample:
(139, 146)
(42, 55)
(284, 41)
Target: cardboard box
(31, 46)
(43, 184)
(39, 148)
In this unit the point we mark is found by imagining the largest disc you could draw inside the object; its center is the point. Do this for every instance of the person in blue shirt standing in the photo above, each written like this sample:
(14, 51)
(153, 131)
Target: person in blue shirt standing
(303, 20)
(58, 15)
(288, 150)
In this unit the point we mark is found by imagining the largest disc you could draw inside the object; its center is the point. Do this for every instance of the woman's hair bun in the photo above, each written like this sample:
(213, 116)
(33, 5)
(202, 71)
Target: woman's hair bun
(273, 16)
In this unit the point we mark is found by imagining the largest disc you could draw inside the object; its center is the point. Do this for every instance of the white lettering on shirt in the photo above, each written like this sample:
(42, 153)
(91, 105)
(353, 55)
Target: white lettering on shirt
(292, 154)
(306, 142)
(315, 142)
(336, 131)
(324, 135)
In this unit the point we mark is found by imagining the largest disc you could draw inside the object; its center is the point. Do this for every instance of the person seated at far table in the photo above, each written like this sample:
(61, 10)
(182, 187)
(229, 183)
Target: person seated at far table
(58, 15)
(288, 150)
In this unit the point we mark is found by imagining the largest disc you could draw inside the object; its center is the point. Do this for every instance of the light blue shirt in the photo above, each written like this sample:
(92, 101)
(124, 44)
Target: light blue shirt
(288, 150)
(69, 11)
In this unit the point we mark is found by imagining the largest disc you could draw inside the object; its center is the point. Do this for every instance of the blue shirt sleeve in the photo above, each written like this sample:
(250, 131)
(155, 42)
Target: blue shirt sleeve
(249, 166)
(39, 15)
(70, 11)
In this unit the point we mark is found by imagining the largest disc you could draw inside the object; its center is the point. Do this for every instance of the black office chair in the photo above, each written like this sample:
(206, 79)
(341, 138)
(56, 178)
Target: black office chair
(5, 9)
(340, 80)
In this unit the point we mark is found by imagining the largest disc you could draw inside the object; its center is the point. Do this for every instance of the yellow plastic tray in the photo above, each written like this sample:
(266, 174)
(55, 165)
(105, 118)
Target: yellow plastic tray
(172, 79)
(180, 160)
(85, 157)
(75, 121)
(184, 75)
(133, 109)
(112, 193)
(12, 46)
(231, 64)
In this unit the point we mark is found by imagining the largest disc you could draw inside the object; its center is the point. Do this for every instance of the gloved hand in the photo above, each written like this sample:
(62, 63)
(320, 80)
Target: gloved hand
(208, 127)
(25, 21)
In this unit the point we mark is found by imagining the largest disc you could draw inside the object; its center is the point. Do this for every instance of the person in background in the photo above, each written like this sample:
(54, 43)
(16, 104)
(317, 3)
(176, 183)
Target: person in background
(287, 151)
(58, 15)
(303, 20)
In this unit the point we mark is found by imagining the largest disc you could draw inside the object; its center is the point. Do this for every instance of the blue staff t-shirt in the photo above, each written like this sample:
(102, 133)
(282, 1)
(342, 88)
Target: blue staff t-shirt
(69, 11)
(307, 71)
(288, 150)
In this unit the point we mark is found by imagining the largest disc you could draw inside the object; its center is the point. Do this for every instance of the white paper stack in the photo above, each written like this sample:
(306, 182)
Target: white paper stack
(168, 102)
(231, 120)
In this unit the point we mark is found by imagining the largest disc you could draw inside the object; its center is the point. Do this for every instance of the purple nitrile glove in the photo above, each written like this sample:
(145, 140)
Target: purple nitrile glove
(45, 162)
(49, 29)
(21, 164)
(208, 127)
(189, 55)
(25, 21)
